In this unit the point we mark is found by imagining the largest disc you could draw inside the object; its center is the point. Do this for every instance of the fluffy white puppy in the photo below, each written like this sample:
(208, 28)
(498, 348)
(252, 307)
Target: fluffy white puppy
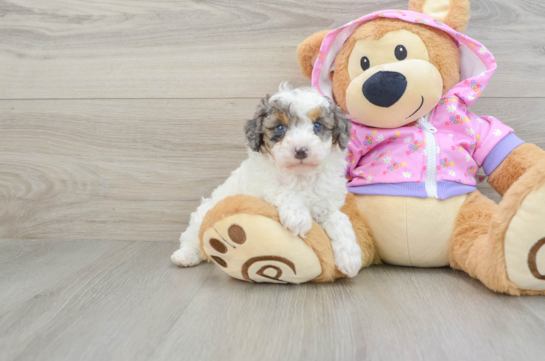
(296, 162)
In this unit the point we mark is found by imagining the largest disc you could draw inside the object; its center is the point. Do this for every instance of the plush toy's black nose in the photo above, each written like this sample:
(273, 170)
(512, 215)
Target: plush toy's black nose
(384, 88)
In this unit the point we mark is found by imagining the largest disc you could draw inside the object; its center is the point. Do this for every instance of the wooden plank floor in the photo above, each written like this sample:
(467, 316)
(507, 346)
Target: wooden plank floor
(117, 116)
(120, 300)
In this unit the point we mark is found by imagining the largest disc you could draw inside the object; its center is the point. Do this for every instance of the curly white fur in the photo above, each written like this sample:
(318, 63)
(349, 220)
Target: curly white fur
(317, 193)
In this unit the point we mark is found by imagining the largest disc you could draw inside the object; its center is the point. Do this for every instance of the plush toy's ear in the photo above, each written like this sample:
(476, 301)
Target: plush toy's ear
(454, 13)
(254, 127)
(308, 50)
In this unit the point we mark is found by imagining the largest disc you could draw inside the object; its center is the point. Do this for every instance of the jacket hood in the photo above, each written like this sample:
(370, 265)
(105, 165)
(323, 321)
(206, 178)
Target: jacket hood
(477, 64)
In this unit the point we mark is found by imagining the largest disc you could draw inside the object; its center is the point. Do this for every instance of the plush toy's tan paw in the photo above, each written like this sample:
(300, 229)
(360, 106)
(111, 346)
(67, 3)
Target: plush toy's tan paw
(258, 249)
(525, 243)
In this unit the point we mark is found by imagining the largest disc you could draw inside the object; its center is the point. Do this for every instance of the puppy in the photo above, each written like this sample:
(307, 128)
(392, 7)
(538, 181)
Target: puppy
(296, 162)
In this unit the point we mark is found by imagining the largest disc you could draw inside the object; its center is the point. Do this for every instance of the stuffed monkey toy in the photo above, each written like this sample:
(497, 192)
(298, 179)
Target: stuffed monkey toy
(406, 80)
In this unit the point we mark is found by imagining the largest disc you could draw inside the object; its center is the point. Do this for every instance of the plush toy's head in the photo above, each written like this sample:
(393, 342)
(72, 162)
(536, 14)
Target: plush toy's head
(389, 72)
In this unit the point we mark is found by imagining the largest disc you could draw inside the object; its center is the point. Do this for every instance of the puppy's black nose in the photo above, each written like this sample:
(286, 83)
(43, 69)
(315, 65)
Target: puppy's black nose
(301, 153)
(384, 88)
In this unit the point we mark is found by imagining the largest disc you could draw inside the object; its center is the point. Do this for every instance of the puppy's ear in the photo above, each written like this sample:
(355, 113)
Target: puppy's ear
(308, 50)
(454, 13)
(254, 127)
(341, 130)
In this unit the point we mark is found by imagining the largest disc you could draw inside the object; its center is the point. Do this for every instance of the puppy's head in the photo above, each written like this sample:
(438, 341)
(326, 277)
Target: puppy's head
(299, 128)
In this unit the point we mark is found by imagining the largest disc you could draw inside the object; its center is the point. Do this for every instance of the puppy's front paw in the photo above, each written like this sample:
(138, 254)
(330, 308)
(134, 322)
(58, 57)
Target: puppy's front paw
(298, 221)
(347, 258)
(186, 257)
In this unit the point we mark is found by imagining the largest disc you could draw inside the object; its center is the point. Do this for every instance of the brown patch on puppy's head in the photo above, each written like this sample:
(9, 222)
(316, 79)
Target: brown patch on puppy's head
(314, 114)
(282, 117)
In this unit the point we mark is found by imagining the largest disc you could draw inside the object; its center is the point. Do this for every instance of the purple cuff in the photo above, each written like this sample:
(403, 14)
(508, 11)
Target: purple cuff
(408, 189)
(445, 189)
(500, 152)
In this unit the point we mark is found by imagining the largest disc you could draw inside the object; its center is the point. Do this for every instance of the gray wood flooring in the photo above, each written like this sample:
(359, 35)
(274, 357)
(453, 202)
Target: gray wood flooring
(121, 300)
(116, 116)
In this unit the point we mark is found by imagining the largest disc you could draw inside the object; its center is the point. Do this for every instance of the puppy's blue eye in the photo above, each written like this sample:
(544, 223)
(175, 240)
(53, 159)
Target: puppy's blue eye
(317, 127)
(280, 129)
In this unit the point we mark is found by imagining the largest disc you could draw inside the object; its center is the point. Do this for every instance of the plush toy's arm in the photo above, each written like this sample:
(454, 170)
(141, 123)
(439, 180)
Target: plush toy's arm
(517, 162)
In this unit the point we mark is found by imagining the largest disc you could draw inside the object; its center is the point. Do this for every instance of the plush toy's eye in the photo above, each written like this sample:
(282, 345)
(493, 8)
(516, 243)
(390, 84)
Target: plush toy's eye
(365, 63)
(401, 52)
(280, 129)
(317, 127)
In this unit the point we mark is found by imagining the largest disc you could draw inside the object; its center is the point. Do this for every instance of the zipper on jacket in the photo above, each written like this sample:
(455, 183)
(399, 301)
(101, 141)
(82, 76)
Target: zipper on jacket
(431, 157)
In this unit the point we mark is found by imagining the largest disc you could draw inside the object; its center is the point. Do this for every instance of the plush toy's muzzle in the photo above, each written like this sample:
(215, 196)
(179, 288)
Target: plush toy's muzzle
(394, 94)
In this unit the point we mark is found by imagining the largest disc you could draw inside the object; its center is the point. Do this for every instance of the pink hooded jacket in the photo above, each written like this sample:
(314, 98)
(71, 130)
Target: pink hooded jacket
(439, 155)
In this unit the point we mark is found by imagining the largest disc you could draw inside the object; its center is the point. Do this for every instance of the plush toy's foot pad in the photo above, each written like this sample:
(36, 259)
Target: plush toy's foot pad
(525, 243)
(258, 249)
